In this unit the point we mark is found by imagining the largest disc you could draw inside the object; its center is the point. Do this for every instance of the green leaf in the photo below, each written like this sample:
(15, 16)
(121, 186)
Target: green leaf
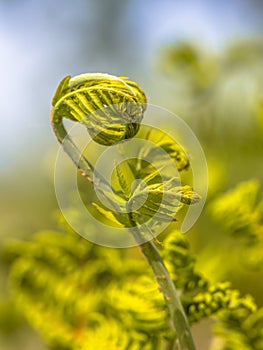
(125, 188)
(114, 217)
(169, 145)
(60, 89)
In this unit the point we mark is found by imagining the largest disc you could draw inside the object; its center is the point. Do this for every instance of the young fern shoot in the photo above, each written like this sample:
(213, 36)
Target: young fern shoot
(112, 108)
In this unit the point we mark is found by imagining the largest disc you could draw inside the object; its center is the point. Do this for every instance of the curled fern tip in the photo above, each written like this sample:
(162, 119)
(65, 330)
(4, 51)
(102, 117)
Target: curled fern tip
(110, 107)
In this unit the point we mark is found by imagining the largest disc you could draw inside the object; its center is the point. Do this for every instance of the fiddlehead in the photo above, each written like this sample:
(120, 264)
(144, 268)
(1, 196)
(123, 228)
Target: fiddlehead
(111, 108)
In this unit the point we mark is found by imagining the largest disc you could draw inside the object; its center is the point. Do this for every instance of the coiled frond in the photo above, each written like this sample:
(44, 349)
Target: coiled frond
(110, 107)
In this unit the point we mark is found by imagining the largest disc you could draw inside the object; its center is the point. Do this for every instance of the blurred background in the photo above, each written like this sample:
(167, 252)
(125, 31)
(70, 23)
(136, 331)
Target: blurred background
(200, 59)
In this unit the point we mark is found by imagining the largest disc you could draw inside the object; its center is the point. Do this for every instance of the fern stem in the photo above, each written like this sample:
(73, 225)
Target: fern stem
(172, 344)
(83, 165)
(70, 148)
(179, 322)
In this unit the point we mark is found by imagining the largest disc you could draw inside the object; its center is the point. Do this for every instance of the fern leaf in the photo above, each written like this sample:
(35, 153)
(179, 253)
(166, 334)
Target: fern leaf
(114, 217)
(125, 188)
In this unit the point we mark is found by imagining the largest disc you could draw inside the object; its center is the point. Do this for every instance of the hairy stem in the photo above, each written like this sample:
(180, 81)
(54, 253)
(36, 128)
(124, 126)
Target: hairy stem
(179, 322)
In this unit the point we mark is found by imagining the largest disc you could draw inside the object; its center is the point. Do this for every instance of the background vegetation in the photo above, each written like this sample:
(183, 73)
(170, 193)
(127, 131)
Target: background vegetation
(199, 59)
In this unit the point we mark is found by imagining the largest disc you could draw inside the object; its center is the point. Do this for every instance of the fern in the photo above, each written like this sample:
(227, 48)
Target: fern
(78, 296)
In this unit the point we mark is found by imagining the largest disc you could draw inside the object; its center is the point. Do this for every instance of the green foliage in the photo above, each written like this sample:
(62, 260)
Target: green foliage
(70, 290)
(237, 319)
(241, 217)
(157, 193)
(200, 70)
(169, 145)
(238, 212)
(219, 93)
(81, 296)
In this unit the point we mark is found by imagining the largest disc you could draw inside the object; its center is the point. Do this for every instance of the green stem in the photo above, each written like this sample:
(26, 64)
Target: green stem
(83, 165)
(71, 149)
(179, 322)
(172, 344)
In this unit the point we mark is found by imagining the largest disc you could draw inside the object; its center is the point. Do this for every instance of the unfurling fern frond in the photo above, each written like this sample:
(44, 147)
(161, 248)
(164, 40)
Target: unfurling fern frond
(110, 107)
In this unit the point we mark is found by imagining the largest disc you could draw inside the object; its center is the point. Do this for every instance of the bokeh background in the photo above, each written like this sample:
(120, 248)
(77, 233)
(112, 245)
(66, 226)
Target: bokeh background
(200, 59)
